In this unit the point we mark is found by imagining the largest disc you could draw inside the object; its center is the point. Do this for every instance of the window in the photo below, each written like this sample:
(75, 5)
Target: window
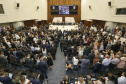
(1, 9)
(121, 11)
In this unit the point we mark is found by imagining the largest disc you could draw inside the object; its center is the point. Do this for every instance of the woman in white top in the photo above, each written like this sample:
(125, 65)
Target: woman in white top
(81, 49)
(37, 48)
(23, 80)
(44, 51)
(75, 62)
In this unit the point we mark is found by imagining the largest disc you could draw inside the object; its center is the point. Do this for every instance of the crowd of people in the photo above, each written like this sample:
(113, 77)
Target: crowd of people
(97, 50)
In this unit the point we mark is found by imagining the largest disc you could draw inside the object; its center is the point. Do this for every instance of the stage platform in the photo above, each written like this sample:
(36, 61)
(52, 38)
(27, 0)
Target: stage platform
(63, 27)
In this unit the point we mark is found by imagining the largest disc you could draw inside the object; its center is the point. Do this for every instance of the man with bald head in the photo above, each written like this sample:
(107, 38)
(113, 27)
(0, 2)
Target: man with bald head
(114, 62)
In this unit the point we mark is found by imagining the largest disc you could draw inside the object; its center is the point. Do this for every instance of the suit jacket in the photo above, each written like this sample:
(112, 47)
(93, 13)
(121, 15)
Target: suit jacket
(53, 50)
(69, 50)
(64, 47)
(20, 54)
(97, 66)
(3, 60)
(42, 66)
(35, 81)
(6, 80)
(47, 47)
(61, 43)
(85, 63)
(91, 56)
(29, 62)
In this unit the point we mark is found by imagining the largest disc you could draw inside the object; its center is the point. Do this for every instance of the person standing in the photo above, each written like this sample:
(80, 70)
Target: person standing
(49, 60)
(43, 68)
(85, 63)
(53, 51)
(4, 79)
(30, 63)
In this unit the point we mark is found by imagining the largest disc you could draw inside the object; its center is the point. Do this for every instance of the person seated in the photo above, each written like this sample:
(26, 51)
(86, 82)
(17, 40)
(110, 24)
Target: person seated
(81, 81)
(68, 67)
(100, 81)
(23, 80)
(64, 80)
(4, 79)
(34, 79)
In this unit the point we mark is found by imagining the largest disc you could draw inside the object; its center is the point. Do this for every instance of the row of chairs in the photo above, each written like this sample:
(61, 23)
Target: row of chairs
(15, 74)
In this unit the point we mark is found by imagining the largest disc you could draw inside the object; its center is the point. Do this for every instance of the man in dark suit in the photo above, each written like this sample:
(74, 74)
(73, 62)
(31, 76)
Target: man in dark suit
(90, 48)
(69, 51)
(20, 54)
(53, 51)
(4, 79)
(91, 56)
(47, 47)
(65, 49)
(3, 59)
(85, 63)
(30, 63)
(43, 68)
(61, 44)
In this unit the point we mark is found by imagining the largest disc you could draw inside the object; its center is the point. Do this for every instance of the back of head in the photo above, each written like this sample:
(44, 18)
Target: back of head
(34, 75)
(85, 57)
(22, 79)
(1, 73)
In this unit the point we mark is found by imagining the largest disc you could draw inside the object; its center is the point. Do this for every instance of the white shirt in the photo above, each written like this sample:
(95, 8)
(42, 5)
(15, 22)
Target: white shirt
(37, 48)
(9, 44)
(44, 41)
(44, 51)
(35, 40)
(122, 80)
(1, 83)
(75, 61)
(17, 37)
(106, 61)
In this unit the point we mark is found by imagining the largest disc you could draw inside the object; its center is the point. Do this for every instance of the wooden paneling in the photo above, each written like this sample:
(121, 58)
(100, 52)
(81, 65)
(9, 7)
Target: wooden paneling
(94, 22)
(99, 22)
(30, 23)
(88, 23)
(64, 2)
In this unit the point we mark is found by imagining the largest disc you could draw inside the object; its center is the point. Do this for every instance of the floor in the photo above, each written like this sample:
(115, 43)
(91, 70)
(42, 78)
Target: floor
(59, 71)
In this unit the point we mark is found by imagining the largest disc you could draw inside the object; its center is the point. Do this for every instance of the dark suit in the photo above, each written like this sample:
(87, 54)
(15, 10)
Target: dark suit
(35, 81)
(85, 63)
(61, 44)
(30, 64)
(20, 54)
(69, 51)
(97, 67)
(6, 80)
(3, 61)
(47, 48)
(53, 52)
(43, 69)
(65, 50)
(91, 56)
